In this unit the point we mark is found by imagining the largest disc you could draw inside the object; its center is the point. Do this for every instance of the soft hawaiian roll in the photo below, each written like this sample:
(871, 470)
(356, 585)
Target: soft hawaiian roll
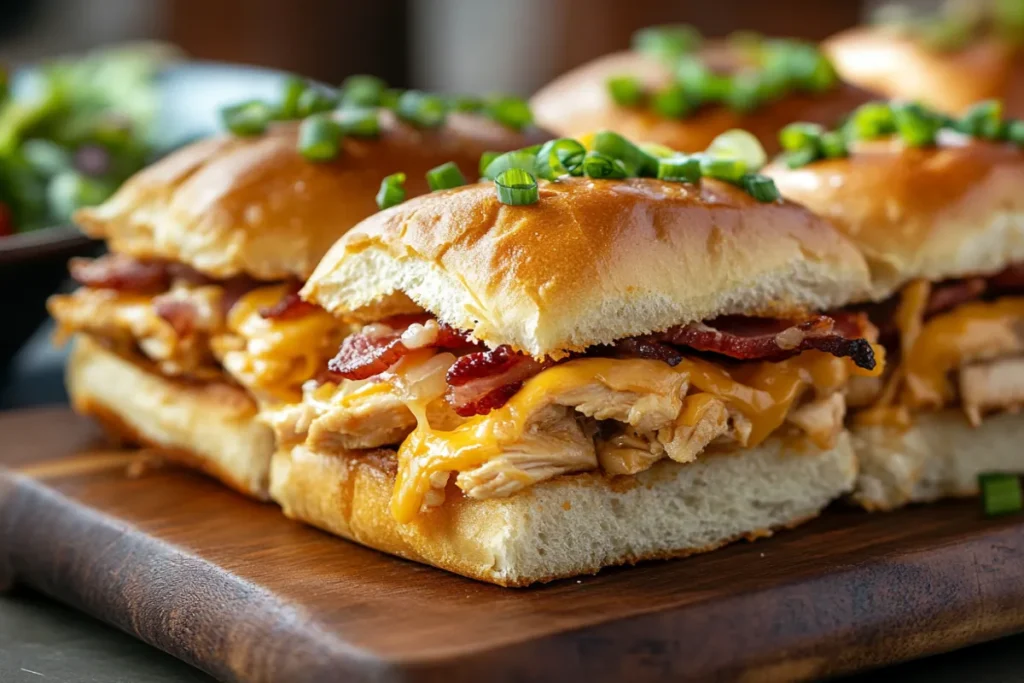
(208, 249)
(901, 64)
(616, 371)
(582, 100)
(942, 228)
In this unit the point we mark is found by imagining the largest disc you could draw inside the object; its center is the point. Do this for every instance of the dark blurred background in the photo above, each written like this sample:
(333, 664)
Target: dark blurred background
(452, 45)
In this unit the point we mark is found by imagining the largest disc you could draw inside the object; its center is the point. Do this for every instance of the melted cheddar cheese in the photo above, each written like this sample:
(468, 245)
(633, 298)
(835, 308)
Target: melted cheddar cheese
(273, 357)
(762, 392)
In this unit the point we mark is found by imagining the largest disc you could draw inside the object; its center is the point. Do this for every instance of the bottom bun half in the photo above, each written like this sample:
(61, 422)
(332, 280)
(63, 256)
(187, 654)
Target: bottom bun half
(209, 426)
(574, 524)
(940, 456)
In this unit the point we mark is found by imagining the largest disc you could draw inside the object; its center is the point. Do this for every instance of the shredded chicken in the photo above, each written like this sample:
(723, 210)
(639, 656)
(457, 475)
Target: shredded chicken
(992, 386)
(821, 419)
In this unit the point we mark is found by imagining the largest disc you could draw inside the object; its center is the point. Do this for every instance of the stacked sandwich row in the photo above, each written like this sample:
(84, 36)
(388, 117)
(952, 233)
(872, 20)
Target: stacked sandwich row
(605, 350)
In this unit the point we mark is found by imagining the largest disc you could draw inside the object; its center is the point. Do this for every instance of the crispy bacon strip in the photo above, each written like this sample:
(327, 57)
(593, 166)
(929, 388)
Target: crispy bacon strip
(644, 347)
(745, 338)
(180, 313)
(367, 354)
(948, 295)
(289, 306)
(481, 381)
(121, 272)
(1011, 279)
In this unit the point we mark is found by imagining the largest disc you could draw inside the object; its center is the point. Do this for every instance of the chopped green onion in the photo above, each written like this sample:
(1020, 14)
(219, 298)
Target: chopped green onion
(740, 145)
(362, 90)
(466, 103)
(656, 150)
(636, 161)
(916, 125)
(516, 187)
(745, 92)
(1000, 494)
(291, 92)
(984, 120)
(523, 159)
(597, 165)
(672, 102)
(700, 83)
(727, 169)
(485, 160)
(800, 157)
(389, 98)
(871, 121)
(319, 138)
(316, 99)
(833, 144)
(797, 136)
(392, 191)
(445, 177)
(626, 91)
(666, 42)
(247, 118)
(762, 188)
(679, 168)
(512, 112)
(422, 109)
(360, 122)
(1015, 132)
(559, 157)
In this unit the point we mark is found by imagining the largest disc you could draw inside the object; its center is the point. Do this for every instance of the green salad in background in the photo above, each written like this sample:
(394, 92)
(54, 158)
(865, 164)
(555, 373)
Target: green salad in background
(72, 131)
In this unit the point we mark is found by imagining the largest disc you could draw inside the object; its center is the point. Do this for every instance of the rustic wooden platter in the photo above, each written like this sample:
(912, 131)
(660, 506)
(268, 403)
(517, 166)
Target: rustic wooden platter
(232, 587)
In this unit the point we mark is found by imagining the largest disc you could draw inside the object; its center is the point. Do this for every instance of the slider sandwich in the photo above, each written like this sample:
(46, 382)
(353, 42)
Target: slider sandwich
(948, 59)
(600, 357)
(673, 90)
(192, 321)
(935, 204)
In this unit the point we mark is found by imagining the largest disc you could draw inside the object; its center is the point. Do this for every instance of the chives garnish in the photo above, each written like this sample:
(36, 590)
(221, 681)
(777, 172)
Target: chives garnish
(871, 120)
(672, 102)
(636, 161)
(745, 93)
(729, 170)
(359, 122)
(601, 166)
(680, 168)
(319, 138)
(798, 136)
(984, 120)
(800, 157)
(392, 191)
(389, 98)
(422, 109)
(290, 94)
(656, 150)
(485, 160)
(524, 158)
(516, 187)
(740, 145)
(315, 99)
(445, 177)
(247, 118)
(560, 157)
(666, 42)
(762, 188)
(916, 125)
(362, 90)
(512, 112)
(466, 103)
(833, 144)
(626, 91)
(1015, 132)
(1001, 494)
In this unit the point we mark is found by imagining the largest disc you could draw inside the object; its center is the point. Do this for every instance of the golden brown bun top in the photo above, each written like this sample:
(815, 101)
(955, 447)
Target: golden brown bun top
(934, 213)
(578, 102)
(591, 262)
(228, 206)
(900, 66)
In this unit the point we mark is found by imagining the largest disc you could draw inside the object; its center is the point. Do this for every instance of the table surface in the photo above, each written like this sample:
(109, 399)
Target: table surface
(44, 642)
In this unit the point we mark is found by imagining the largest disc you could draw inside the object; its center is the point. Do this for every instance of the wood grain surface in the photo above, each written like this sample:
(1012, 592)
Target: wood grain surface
(232, 587)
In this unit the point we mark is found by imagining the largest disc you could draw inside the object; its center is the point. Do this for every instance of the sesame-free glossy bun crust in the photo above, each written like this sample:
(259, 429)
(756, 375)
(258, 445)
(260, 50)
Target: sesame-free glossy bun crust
(229, 206)
(578, 102)
(934, 213)
(898, 66)
(591, 262)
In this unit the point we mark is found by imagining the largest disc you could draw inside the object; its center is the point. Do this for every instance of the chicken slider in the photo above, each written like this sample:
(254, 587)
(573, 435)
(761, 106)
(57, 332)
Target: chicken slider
(600, 357)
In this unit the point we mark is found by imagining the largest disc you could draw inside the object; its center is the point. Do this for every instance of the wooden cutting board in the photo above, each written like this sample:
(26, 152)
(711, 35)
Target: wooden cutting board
(234, 588)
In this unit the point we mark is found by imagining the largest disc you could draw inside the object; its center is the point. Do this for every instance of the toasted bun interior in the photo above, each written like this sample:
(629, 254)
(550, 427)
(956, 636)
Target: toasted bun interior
(933, 213)
(591, 262)
(574, 524)
(231, 206)
(940, 456)
(212, 427)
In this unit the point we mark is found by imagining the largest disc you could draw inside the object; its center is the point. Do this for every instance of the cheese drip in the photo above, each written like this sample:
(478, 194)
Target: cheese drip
(762, 392)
